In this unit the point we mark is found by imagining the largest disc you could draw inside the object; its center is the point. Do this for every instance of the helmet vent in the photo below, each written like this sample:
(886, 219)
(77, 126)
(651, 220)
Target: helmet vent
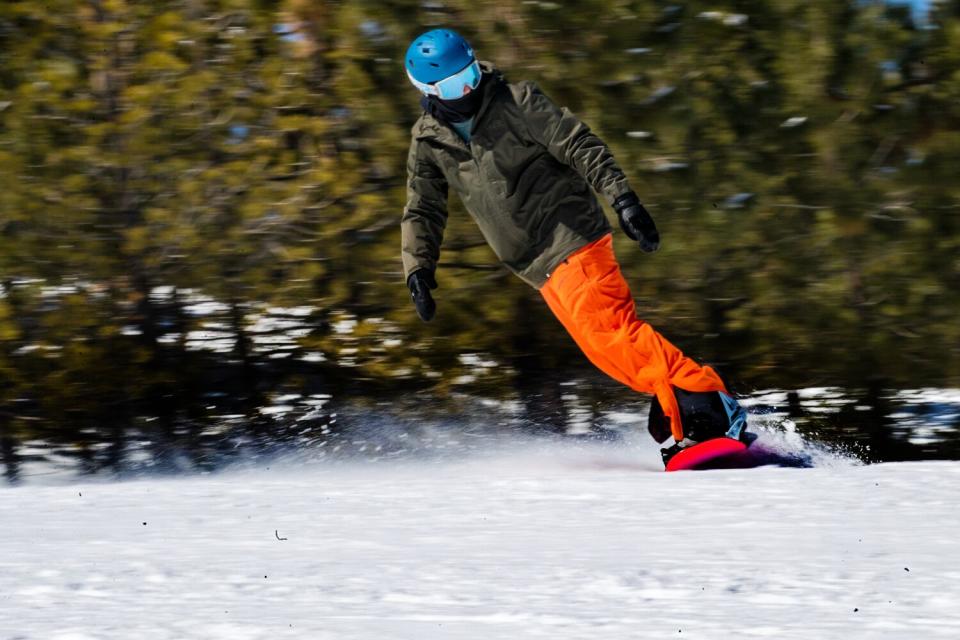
(434, 64)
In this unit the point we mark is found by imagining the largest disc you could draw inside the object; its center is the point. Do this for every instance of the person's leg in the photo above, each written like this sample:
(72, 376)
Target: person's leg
(590, 297)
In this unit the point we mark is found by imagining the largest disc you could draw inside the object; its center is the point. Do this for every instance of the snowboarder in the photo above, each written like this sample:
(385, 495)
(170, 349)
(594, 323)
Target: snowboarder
(524, 169)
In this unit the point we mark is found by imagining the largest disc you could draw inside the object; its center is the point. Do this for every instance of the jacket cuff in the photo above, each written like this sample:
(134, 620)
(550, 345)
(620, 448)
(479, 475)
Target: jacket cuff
(616, 190)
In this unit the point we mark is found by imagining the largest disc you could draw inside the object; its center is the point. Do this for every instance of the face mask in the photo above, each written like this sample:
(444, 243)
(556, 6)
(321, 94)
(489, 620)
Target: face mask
(456, 110)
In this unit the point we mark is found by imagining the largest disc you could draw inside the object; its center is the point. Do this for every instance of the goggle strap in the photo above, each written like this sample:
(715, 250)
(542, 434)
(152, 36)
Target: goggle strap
(430, 90)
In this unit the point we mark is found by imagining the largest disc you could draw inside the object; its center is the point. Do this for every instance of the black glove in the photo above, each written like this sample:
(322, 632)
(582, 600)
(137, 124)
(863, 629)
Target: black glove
(636, 222)
(420, 282)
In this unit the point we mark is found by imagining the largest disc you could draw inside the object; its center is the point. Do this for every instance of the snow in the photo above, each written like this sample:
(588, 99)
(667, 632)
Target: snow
(728, 19)
(793, 122)
(528, 540)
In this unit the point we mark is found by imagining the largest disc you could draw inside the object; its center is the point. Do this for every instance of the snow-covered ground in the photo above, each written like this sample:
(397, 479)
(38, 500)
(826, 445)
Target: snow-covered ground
(544, 540)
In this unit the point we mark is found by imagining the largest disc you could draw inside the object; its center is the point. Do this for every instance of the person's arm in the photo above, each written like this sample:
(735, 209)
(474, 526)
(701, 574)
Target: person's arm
(421, 227)
(425, 215)
(572, 142)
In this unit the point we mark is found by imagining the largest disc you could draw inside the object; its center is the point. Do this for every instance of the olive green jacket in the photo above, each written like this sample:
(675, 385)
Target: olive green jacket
(524, 177)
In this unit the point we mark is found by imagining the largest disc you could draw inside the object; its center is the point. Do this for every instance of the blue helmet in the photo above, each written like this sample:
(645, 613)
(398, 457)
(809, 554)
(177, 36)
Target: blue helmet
(436, 55)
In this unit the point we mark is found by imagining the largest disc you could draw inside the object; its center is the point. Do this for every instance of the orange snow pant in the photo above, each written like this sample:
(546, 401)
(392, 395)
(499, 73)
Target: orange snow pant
(589, 296)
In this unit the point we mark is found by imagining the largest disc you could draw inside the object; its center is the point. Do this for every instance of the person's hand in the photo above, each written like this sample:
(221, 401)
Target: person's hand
(636, 222)
(420, 282)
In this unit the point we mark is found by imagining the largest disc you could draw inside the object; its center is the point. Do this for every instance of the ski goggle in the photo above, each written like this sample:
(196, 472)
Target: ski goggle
(451, 87)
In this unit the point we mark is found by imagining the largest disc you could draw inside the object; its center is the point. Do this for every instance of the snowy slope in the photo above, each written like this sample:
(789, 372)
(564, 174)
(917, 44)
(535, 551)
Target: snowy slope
(552, 541)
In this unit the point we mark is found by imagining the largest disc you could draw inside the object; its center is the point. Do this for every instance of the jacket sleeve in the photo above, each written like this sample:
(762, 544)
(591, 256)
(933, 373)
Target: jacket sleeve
(425, 215)
(572, 142)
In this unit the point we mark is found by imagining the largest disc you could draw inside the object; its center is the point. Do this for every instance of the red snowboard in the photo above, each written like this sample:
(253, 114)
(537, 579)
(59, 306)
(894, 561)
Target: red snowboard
(718, 453)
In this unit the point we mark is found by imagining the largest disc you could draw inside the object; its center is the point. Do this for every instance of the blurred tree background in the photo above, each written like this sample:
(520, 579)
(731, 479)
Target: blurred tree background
(199, 203)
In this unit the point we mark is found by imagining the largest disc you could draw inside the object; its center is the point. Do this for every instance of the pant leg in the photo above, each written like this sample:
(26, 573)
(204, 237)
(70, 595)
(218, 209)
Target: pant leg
(590, 297)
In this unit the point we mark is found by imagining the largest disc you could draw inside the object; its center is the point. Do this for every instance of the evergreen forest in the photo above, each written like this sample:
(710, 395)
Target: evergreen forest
(200, 205)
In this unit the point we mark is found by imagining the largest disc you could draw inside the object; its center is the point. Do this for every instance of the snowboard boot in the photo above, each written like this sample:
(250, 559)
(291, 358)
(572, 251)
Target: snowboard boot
(705, 416)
